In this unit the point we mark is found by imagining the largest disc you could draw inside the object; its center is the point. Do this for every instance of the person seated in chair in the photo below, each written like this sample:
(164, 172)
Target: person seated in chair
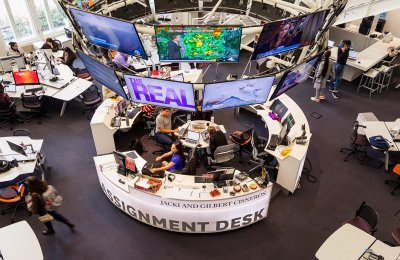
(68, 57)
(14, 50)
(164, 127)
(217, 138)
(177, 162)
(5, 98)
(50, 44)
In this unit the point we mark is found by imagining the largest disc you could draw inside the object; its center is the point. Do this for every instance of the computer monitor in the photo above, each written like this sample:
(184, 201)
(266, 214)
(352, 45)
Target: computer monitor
(160, 92)
(194, 43)
(289, 121)
(16, 148)
(236, 93)
(295, 76)
(278, 108)
(120, 160)
(49, 64)
(28, 77)
(109, 33)
(291, 33)
(8, 61)
(283, 133)
(122, 106)
(192, 135)
(353, 55)
(102, 73)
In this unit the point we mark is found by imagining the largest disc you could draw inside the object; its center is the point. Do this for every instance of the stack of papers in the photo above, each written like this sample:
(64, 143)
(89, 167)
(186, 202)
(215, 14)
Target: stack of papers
(143, 183)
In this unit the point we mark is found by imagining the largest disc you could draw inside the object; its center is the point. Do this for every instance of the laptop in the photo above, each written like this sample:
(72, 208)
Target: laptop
(353, 55)
(330, 43)
(192, 138)
(21, 151)
(205, 135)
(182, 132)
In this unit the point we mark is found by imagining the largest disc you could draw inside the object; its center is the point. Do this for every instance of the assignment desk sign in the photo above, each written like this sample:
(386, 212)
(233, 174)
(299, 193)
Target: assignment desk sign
(160, 92)
(189, 215)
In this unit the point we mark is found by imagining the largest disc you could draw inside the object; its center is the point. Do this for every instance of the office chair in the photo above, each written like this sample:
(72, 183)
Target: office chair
(80, 70)
(60, 46)
(13, 195)
(395, 183)
(249, 142)
(35, 104)
(7, 114)
(191, 163)
(359, 144)
(366, 219)
(21, 132)
(222, 154)
(91, 98)
(396, 235)
(181, 119)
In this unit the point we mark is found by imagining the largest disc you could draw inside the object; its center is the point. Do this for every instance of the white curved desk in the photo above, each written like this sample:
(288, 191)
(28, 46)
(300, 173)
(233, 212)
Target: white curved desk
(290, 166)
(202, 143)
(182, 205)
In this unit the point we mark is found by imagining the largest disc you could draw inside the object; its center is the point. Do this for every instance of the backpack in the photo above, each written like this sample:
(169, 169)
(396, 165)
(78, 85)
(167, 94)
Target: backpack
(52, 199)
(379, 142)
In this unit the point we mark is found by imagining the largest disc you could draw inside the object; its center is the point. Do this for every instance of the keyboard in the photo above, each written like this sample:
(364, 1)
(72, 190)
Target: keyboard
(190, 141)
(273, 142)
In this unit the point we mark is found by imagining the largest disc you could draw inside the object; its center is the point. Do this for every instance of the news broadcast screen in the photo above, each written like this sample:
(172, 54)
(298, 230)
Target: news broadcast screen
(103, 74)
(28, 77)
(160, 92)
(295, 76)
(288, 34)
(236, 93)
(198, 43)
(109, 33)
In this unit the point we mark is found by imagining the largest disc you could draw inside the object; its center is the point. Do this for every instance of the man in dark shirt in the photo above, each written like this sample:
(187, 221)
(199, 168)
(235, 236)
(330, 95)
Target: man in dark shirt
(343, 54)
(174, 49)
(4, 98)
(217, 138)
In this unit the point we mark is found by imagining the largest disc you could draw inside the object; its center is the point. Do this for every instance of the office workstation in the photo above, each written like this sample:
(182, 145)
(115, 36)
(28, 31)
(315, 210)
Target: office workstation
(195, 117)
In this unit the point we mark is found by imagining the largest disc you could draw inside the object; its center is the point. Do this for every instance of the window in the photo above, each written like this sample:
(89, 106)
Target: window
(22, 20)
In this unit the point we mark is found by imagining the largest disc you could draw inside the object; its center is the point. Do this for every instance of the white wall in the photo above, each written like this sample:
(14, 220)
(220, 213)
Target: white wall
(393, 22)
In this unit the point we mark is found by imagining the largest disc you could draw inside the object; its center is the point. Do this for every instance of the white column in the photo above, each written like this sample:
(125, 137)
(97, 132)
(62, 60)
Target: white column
(3, 47)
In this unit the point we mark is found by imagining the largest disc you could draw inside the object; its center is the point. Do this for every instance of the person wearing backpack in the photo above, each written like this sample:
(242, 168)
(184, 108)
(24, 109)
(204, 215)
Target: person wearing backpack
(43, 200)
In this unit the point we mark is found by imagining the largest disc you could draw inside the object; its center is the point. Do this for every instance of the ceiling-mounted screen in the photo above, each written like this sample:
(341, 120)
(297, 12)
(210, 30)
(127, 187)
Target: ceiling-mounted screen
(102, 73)
(289, 34)
(236, 93)
(164, 6)
(109, 33)
(295, 76)
(159, 92)
(198, 43)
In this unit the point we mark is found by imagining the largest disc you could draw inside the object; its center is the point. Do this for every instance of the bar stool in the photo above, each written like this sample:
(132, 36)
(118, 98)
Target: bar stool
(386, 76)
(369, 80)
(396, 183)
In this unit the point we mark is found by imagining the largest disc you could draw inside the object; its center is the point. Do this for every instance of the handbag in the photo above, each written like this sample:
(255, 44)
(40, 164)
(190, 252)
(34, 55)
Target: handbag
(52, 199)
(45, 218)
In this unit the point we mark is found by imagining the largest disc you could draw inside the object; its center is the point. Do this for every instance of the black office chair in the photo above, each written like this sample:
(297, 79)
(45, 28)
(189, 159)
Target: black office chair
(359, 144)
(35, 104)
(191, 163)
(366, 219)
(21, 132)
(249, 142)
(7, 114)
(60, 46)
(91, 98)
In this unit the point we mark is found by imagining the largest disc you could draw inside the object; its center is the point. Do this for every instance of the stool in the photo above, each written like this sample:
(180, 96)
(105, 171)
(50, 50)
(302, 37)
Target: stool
(369, 80)
(396, 183)
(386, 76)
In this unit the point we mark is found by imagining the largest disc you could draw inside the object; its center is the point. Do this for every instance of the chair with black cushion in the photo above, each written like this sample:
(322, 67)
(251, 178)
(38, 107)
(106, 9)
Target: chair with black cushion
(7, 114)
(91, 98)
(395, 183)
(366, 219)
(359, 144)
(60, 46)
(21, 132)
(191, 163)
(35, 105)
(243, 140)
(13, 195)
(222, 154)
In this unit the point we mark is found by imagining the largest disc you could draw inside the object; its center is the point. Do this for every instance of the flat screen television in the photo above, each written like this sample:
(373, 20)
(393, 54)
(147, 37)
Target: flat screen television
(236, 93)
(181, 43)
(109, 33)
(160, 92)
(164, 6)
(102, 73)
(295, 76)
(26, 77)
(288, 34)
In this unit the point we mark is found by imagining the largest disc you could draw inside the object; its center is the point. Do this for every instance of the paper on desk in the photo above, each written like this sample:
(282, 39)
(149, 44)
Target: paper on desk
(143, 183)
(10, 88)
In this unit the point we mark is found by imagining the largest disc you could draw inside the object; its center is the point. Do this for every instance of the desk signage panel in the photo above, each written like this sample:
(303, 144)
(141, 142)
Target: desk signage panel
(189, 216)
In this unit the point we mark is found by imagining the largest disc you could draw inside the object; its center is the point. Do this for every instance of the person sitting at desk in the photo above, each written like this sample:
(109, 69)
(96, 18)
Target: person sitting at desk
(5, 98)
(50, 44)
(177, 162)
(217, 138)
(14, 50)
(163, 127)
(121, 60)
(68, 57)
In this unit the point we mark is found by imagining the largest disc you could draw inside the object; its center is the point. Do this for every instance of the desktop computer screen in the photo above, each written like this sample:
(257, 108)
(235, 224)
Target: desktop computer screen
(101, 73)
(236, 93)
(160, 92)
(28, 77)
(295, 76)
(109, 33)
(184, 43)
(291, 33)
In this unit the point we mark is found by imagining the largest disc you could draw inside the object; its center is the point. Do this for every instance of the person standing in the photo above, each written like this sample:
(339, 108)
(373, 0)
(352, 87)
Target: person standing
(42, 201)
(342, 56)
(324, 69)
(174, 49)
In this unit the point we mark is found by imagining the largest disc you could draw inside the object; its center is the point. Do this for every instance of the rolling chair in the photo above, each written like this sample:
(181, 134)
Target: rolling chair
(13, 195)
(7, 114)
(35, 104)
(222, 154)
(91, 98)
(243, 140)
(21, 132)
(359, 144)
(396, 183)
(366, 219)
(60, 46)
(191, 163)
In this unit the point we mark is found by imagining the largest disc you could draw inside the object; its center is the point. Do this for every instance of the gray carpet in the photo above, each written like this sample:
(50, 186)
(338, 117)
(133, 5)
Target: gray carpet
(296, 226)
